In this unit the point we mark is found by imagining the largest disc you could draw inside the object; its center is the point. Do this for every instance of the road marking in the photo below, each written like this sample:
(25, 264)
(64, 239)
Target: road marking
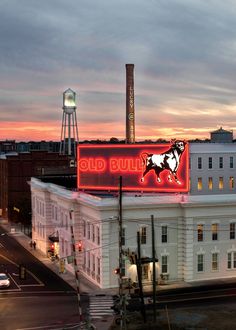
(100, 306)
(40, 283)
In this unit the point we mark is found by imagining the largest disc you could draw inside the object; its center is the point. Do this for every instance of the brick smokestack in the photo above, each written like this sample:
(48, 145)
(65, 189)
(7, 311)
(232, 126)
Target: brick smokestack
(130, 123)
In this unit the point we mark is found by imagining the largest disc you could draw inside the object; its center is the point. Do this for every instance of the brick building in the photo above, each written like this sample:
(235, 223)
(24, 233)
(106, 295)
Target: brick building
(16, 169)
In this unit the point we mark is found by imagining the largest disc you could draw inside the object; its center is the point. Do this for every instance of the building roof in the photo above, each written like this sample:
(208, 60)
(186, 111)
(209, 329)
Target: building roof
(204, 148)
(134, 200)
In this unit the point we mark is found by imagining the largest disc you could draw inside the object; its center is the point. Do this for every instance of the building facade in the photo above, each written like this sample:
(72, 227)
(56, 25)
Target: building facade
(195, 235)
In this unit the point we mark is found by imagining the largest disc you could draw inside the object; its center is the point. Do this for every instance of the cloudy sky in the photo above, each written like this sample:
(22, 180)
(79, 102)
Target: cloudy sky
(184, 52)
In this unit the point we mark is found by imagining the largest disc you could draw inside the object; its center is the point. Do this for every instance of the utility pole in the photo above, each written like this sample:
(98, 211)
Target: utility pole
(120, 237)
(121, 294)
(76, 270)
(153, 270)
(139, 271)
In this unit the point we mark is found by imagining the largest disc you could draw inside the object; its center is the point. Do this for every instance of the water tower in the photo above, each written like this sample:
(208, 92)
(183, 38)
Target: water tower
(69, 129)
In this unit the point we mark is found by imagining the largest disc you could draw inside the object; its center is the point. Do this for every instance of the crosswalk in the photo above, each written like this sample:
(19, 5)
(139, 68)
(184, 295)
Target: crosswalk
(100, 306)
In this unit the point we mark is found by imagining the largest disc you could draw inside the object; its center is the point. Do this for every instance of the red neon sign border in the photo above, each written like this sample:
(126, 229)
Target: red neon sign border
(140, 187)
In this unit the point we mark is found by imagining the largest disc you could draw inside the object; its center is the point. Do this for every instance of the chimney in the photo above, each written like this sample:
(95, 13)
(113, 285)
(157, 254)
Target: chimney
(130, 124)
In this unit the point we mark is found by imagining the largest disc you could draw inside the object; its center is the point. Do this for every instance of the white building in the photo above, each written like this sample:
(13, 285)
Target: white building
(212, 168)
(195, 232)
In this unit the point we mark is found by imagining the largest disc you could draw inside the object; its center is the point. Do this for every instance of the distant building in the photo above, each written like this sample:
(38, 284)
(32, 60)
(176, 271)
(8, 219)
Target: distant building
(221, 136)
(16, 169)
(7, 146)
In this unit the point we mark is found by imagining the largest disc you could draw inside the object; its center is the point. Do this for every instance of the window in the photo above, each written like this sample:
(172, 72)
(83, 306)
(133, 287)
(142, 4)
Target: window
(231, 182)
(98, 266)
(93, 233)
(88, 230)
(200, 263)
(143, 235)
(84, 228)
(214, 261)
(84, 265)
(214, 230)
(220, 162)
(200, 233)
(123, 236)
(210, 183)
(164, 234)
(199, 184)
(88, 260)
(231, 260)
(98, 236)
(210, 162)
(232, 230)
(199, 163)
(66, 221)
(93, 263)
(164, 264)
(221, 182)
(145, 270)
(231, 162)
(62, 246)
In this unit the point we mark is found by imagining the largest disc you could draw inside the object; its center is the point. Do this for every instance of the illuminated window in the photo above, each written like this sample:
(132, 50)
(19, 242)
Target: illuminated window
(210, 162)
(199, 184)
(145, 270)
(214, 261)
(200, 233)
(231, 182)
(214, 231)
(199, 163)
(200, 262)
(164, 264)
(231, 162)
(210, 183)
(221, 182)
(231, 260)
(220, 162)
(143, 235)
(232, 230)
(164, 234)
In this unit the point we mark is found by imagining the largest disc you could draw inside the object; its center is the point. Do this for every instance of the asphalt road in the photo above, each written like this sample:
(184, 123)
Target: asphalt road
(39, 300)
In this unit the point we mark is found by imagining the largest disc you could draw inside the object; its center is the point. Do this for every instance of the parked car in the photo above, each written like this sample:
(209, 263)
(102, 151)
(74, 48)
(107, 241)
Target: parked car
(4, 281)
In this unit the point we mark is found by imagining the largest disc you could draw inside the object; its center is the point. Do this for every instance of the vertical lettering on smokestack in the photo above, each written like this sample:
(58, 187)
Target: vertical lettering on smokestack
(130, 123)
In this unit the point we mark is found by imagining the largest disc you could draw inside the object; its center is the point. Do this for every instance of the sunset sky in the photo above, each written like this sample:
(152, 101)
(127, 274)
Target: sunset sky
(184, 52)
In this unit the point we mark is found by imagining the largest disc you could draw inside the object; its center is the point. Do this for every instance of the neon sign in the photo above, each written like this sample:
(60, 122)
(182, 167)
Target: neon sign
(156, 168)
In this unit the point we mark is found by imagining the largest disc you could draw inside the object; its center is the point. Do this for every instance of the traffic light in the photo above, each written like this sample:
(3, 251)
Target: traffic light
(52, 247)
(79, 246)
(117, 271)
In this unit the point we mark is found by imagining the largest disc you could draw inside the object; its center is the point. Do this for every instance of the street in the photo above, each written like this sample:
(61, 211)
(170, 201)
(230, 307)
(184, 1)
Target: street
(38, 299)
